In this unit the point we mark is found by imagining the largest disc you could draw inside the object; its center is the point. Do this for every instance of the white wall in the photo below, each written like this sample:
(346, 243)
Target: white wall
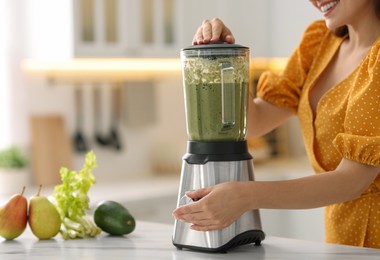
(288, 20)
(34, 29)
(4, 76)
(49, 29)
(13, 93)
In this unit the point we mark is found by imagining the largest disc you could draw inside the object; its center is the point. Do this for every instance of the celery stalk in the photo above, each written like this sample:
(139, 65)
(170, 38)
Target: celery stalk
(72, 201)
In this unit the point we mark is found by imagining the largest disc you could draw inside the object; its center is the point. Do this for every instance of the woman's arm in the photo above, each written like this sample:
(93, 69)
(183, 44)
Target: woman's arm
(263, 116)
(347, 182)
(222, 204)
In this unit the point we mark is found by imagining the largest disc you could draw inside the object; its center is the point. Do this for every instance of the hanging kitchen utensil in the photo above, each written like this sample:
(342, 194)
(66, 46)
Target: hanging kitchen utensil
(100, 139)
(80, 143)
(114, 138)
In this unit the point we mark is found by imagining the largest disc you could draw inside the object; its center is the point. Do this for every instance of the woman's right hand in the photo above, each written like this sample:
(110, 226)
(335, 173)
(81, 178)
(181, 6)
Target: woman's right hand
(213, 31)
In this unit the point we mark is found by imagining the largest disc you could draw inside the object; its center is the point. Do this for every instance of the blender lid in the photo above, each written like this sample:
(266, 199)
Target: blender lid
(219, 45)
(213, 50)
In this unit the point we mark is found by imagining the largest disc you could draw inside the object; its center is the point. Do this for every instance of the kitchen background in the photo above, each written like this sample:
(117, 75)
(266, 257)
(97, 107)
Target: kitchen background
(76, 73)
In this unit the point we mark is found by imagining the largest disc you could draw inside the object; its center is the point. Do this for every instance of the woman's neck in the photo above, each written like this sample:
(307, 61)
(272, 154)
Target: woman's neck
(364, 32)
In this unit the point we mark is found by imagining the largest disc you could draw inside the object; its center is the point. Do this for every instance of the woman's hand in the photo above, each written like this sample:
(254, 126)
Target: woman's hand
(213, 31)
(218, 206)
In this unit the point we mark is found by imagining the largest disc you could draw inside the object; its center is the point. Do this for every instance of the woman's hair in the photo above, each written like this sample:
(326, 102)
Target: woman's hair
(343, 30)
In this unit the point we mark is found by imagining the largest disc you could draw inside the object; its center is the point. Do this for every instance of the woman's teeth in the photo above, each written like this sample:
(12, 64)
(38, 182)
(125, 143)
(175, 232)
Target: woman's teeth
(327, 6)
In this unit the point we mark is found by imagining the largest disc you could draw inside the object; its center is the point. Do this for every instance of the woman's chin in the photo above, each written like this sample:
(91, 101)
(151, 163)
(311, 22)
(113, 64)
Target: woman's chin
(333, 26)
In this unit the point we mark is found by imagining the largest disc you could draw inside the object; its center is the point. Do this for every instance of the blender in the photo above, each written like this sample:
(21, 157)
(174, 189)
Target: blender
(216, 82)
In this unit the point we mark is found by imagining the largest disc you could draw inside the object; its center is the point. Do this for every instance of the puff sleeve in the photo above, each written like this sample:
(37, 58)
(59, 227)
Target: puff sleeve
(284, 89)
(361, 138)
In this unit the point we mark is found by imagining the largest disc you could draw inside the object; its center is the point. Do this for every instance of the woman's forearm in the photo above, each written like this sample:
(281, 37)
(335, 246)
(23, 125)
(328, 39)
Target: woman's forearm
(340, 185)
(264, 117)
(303, 193)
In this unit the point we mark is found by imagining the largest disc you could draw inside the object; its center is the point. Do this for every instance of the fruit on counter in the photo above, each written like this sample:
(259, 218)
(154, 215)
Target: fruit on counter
(72, 201)
(44, 219)
(113, 218)
(14, 216)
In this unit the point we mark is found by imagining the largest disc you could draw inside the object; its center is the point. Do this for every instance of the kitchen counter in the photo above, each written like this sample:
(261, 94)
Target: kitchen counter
(153, 241)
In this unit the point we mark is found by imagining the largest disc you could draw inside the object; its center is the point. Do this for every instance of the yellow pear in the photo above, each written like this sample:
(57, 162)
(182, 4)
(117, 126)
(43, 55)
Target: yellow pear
(44, 219)
(14, 216)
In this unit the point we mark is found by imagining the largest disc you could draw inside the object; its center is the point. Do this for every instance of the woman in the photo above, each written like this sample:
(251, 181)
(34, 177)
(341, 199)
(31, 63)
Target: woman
(332, 83)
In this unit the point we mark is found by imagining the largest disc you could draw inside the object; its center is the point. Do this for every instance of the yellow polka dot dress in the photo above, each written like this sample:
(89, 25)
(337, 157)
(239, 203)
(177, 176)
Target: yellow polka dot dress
(346, 125)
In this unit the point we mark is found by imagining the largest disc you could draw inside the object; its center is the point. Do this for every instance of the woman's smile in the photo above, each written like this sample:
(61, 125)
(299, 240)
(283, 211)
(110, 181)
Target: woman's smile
(327, 7)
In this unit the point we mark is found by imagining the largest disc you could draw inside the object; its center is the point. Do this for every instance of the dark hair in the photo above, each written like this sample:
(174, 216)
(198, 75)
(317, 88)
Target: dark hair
(343, 30)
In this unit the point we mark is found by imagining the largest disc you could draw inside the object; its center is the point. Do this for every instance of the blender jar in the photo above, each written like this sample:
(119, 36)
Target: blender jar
(216, 82)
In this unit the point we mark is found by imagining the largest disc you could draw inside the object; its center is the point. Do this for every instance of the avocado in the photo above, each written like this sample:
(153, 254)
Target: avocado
(113, 218)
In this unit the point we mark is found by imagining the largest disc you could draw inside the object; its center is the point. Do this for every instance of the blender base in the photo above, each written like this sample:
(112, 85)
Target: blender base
(208, 164)
(248, 237)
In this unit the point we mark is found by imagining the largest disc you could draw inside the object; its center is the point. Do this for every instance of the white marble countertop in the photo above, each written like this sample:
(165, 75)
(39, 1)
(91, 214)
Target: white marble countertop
(153, 241)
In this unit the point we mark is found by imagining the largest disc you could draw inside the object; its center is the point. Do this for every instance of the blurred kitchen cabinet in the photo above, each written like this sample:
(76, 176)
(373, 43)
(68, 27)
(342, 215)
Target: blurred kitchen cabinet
(64, 29)
(149, 28)
(125, 28)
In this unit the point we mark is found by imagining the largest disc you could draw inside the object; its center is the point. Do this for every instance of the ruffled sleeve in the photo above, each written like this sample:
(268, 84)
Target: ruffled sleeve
(361, 138)
(284, 89)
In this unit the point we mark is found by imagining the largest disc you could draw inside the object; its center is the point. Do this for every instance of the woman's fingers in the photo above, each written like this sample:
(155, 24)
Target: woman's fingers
(203, 34)
(196, 207)
(213, 31)
(207, 31)
(201, 221)
(199, 218)
(204, 222)
(209, 227)
(199, 193)
(184, 212)
(198, 37)
(217, 28)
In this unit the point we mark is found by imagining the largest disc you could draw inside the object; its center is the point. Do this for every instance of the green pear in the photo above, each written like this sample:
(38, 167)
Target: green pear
(44, 219)
(14, 216)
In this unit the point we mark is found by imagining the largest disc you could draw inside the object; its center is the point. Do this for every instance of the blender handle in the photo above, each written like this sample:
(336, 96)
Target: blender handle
(228, 96)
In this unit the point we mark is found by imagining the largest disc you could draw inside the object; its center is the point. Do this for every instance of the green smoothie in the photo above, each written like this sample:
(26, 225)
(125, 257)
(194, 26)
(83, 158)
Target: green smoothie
(216, 101)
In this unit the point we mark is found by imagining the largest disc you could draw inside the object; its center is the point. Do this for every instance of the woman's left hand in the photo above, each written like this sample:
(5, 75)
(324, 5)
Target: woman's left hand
(218, 206)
